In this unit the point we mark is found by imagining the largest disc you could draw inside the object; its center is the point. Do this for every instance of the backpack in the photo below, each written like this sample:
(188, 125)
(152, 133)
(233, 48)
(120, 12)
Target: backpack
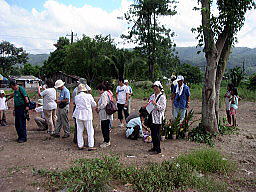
(31, 104)
(111, 107)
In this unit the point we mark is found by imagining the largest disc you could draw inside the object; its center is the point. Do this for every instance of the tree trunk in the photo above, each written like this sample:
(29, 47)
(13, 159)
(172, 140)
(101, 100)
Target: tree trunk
(220, 72)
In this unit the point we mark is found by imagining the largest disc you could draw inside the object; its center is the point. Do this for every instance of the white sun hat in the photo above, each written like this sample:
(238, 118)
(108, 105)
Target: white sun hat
(2, 92)
(158, 84)
(125, 81)
(81, 87)
(59, 83)
(180, 78)
(40, 102)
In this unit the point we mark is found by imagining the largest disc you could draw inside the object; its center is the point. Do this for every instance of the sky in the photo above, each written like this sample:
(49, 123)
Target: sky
(36, 25)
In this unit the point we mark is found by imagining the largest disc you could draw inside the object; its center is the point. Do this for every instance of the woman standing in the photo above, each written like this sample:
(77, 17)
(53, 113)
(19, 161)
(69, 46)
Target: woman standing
(104, 117)
(83, 113)
(50, 106)
(158, 102)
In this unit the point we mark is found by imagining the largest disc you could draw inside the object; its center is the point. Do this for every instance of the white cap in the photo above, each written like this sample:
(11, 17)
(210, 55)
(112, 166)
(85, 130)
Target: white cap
(59, 83)
(180, 78)
(2, 92)
(81, 87)
(125, 81)
(158, 84)
(40, 102)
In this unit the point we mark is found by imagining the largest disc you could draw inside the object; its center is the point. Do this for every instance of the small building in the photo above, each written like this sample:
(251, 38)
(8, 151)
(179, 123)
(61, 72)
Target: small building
(29, 81)
(3, 82)
(70, 80)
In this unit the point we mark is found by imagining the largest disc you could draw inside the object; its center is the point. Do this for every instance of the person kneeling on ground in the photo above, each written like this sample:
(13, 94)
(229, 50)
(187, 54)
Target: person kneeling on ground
(134, 127)
(41, 121)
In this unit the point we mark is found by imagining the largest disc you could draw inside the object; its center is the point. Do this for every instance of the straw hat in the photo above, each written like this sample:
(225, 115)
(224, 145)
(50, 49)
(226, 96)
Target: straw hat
(81, 88)
(59, 83)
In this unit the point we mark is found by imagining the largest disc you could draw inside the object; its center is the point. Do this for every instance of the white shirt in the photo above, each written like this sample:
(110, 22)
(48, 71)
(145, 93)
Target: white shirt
(3, 105)
(75, 92)
(40, 110)
(121, 91)
(84, 103)
(102, 103)
(49, 97)
(228, 94)
(159, 109)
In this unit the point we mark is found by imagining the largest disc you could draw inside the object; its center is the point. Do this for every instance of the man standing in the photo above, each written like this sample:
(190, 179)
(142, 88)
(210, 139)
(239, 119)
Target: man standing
(126, 82)
(21, 108)
(63, 109)
(181, 98)
(122, 96)
(74, 94)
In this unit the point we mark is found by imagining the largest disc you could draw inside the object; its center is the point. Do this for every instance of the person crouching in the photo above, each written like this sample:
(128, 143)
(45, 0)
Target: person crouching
(83, 113)
(134, 127)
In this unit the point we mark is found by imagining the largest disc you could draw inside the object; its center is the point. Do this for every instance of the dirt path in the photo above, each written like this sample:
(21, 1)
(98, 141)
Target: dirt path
(42, 151)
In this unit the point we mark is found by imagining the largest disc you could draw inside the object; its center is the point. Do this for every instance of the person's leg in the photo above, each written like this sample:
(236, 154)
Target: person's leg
(59, 122)
(228, 117)
(1, 117)
(54, 118)
(49, 120)
(182, 114)
(153, 135)
(90, 133)
(105, 130)
(21, 124)
(175, 112)
(65, 121)
(40, 123)
(80, 130)
(129, 105)
(17, 123)
(126, 114)
(4, 119)
(75, 131)
(136, 133)
(120, 113)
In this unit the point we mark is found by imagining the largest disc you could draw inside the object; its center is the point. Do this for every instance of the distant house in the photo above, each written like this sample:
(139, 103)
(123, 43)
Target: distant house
(3, 82)
(29, 81)
(70, 80)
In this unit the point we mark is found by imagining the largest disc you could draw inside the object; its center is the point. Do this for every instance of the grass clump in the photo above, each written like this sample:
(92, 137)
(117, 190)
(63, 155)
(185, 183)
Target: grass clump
(93, 175)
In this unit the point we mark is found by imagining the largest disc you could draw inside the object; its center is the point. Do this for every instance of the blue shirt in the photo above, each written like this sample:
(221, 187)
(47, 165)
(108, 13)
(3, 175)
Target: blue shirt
(132, 123)
(181, 101)
(64, 94)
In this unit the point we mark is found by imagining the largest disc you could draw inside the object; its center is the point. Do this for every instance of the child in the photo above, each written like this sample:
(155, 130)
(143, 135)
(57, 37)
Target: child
(234, 105)
(3, 108)
(227, 102)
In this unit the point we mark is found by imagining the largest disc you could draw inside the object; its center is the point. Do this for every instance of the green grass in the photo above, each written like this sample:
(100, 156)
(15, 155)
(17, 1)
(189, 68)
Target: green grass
(185, 172)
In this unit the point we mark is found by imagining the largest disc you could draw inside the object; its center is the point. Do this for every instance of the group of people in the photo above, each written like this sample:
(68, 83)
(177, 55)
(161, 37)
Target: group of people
(54, 110)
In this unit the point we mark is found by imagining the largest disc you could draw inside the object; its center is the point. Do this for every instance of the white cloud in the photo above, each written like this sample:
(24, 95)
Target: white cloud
(37, 31)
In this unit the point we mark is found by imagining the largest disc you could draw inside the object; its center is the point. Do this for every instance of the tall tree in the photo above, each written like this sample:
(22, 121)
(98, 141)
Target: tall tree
(11, 55)
(147, 31)
(218, 34)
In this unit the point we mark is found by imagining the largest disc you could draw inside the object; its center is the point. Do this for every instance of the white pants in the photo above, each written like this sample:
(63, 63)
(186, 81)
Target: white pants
(90, 132)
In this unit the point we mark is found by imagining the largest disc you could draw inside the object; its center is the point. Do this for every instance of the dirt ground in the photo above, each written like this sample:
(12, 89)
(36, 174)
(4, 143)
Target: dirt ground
(42, 151)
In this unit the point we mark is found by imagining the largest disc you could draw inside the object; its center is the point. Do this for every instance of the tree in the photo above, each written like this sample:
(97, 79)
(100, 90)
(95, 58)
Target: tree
(236, 75)
(10, 56)
(152, 38)
(55, 62)
(28, 69)
(192, 74)
(218, 34)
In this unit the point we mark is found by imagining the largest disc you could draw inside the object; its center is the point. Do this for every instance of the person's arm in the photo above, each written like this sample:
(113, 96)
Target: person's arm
(10, 96)
(161, 104)
(93, 103)
(104, 102)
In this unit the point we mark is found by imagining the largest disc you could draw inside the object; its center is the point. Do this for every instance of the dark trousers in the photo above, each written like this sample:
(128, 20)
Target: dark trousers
(155, 134)
(105, 130)
(20, 123)
(121, 108)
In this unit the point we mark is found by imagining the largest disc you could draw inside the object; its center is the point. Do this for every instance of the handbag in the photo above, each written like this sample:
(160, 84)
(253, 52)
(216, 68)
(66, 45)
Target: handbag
(63, 104)
(111, 107)
(31, 104)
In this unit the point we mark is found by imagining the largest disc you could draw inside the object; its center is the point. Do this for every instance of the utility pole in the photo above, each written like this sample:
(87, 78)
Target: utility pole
(72, 36)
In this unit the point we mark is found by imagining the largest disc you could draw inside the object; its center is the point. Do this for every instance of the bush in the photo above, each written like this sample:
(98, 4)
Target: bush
(181, 174)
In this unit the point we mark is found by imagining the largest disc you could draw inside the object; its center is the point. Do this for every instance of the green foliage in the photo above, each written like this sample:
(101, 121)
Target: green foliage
(207, 161)
(9, 56)
(252, 82)
(153, 39)
(192, 74)
(181, 174)
(236, 75)
(226, 130)
(28, 69)
(200, 135)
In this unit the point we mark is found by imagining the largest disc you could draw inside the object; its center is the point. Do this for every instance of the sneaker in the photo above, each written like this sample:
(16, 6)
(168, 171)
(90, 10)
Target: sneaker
(22, 140)
(92, 149)
(80, 148)
(65, 135)
(155, 153)
(151, 150)
(104, 145)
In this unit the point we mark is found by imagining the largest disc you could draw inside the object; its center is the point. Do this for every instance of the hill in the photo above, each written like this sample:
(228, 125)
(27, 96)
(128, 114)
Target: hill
(37, 59)
(239, 55)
